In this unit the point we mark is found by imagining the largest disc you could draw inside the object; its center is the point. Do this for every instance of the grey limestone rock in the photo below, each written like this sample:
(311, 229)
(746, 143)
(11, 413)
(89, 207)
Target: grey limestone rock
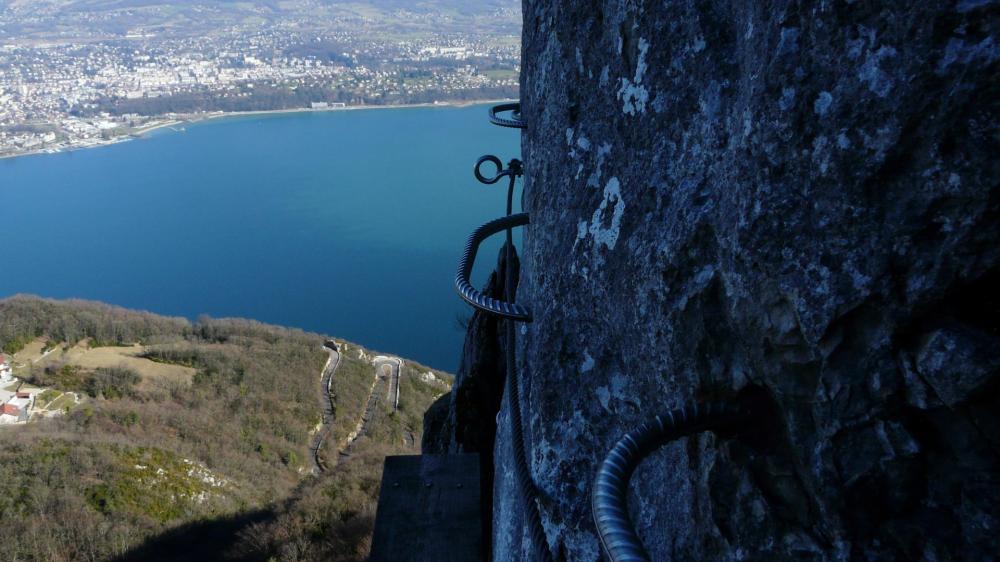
(801, 196)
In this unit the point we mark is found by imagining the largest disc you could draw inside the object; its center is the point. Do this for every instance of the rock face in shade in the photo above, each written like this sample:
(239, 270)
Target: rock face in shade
(801, 196)
(464, 421)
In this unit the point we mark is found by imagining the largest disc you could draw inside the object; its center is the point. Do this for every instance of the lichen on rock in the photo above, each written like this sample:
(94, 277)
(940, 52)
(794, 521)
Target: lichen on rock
(801, 197)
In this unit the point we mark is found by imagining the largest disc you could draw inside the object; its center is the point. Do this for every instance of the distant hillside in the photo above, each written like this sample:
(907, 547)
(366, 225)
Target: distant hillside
(177, 440)
(468, 6)
(190, 17)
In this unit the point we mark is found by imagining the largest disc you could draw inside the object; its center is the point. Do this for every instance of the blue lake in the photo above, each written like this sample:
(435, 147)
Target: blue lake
(348, 223)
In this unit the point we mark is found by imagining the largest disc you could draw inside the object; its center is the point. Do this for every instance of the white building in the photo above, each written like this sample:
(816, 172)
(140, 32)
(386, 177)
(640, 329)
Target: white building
(17, 409)
(6, 374)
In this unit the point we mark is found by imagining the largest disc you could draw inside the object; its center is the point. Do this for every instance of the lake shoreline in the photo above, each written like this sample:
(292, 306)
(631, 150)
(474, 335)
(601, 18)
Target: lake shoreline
(332, 223)
(195, 118)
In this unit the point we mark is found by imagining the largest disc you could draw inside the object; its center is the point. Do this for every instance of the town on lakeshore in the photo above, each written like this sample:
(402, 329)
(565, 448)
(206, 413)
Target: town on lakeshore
(110, 74)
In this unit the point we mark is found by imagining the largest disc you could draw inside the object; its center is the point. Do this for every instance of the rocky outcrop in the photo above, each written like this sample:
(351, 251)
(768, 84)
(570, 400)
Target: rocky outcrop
(464, 421)
(800, 196)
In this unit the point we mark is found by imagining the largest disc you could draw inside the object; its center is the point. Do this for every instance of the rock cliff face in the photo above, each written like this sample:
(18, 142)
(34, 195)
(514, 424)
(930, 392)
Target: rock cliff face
(465, 420)
(801, 196)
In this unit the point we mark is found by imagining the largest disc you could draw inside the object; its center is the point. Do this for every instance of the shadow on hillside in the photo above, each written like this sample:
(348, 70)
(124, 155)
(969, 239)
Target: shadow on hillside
(202, 540)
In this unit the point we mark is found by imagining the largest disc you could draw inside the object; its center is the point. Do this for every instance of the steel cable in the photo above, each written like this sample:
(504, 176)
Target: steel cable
(511, 312)
(472, 295)
(609, 499)
(513, 122)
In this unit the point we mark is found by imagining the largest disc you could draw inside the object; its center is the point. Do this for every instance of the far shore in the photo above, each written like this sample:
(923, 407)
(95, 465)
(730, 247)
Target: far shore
(175, 120)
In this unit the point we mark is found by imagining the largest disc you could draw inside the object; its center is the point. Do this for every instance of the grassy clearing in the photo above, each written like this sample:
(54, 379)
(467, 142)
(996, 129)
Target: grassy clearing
(47, 397)
(500, 74)
(87, 358)
(63, 402)
(28, 353)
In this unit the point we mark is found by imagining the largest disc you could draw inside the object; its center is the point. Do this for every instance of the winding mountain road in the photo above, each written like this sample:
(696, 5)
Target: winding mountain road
(386, 387)
(394, 365)
(329, 413)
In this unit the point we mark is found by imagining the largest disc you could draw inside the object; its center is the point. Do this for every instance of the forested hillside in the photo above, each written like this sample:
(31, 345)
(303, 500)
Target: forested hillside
(215, 464)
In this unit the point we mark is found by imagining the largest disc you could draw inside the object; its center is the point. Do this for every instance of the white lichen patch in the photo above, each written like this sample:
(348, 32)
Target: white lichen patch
(602, 153)
(581, 233)
(958, 51)
(604, 396)
(860, 281)
(608, 236)
(789, 41)
(588, 362)
(871, 73)
(787, 99)
(640, 65)
(819, 279)
(704, 275)
(620, 390)
(633, 96)
(821, 153)
(747, 123)
(843, 142)
(822, 104)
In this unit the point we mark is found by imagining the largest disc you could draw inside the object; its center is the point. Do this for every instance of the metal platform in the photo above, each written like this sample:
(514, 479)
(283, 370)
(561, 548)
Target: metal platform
(428, 510)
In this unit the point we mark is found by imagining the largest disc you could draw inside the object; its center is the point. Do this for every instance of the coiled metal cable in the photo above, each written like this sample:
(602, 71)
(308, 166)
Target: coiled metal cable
(513, 312)
(469, 293)
(609, 499)
(525, 484)
(513, 122)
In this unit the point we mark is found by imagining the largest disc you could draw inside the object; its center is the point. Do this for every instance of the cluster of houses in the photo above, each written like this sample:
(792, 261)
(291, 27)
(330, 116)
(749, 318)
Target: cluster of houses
(16, 404)
(6, 373)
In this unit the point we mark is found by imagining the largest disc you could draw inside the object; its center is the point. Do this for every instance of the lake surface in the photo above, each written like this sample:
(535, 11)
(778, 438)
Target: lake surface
(348, 223)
